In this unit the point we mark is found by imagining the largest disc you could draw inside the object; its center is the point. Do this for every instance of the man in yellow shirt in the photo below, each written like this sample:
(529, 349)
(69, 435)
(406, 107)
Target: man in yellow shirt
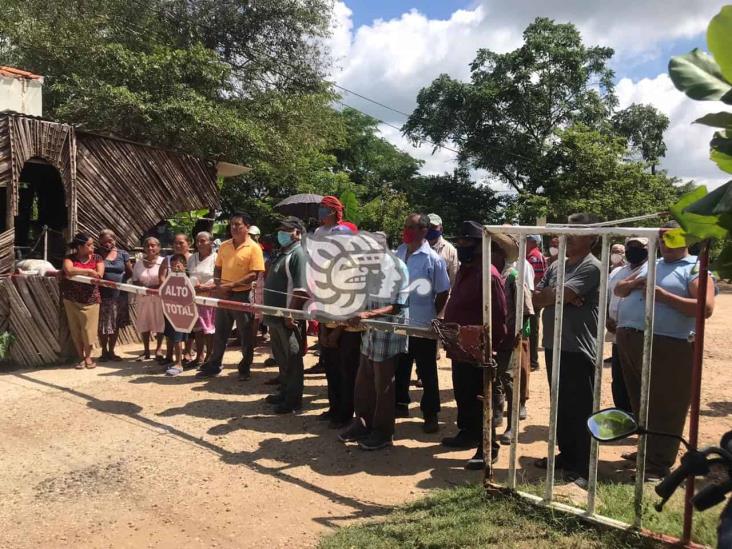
(238, 263)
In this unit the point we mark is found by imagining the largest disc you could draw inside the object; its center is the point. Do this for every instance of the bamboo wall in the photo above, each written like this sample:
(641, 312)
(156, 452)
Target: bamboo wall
(31, 309)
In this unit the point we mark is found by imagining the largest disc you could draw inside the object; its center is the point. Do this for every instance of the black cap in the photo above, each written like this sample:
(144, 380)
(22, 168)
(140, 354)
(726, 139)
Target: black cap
(293, 222)
(470, 229)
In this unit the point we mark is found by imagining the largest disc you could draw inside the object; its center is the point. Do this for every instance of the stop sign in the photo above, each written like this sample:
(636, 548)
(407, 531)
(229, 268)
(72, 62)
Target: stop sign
(177, 294)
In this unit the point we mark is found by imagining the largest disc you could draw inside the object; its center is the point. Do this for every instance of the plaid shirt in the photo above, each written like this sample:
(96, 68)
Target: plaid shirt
(378, 345)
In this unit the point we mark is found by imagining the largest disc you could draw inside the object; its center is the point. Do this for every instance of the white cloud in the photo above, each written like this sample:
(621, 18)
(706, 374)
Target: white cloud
(391, 60)
(688, 144)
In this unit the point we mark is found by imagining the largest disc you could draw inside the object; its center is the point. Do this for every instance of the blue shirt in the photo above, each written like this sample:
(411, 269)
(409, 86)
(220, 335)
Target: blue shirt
(673, 277)
(427, 278)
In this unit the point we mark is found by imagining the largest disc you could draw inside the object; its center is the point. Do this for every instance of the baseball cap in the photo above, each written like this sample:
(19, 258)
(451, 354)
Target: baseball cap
(293, 222)
(254, 230)
(434, 219)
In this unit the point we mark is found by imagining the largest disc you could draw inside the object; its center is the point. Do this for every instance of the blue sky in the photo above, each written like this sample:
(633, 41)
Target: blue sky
(386, 52)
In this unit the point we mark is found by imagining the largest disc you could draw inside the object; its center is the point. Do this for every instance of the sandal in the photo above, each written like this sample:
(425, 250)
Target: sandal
(90, 365)
(80, 365)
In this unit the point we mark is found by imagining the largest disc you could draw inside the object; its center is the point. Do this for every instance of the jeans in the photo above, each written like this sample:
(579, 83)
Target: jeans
(424, 352)
(225, 319)
(287, 351)
(576, 383)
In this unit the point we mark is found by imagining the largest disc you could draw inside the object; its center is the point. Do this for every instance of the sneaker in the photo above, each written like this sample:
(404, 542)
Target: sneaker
(523, 414)
(430, 424)
(174, 371)
(477, 462)
(375, 441)
(462, 440)
(275, 398)
(505, 438)
(356, 431)
(401, 410)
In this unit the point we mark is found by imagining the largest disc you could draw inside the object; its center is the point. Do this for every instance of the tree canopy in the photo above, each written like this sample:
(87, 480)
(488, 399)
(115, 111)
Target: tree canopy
(243, 80)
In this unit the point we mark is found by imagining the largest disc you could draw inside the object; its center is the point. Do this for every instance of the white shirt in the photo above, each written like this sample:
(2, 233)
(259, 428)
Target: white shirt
(202, 270)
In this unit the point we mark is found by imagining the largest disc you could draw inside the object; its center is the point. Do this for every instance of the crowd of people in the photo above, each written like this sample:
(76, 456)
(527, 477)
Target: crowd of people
(369, 370)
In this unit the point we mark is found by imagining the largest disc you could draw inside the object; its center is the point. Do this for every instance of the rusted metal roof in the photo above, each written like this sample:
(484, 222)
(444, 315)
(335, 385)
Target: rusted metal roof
(12, 72)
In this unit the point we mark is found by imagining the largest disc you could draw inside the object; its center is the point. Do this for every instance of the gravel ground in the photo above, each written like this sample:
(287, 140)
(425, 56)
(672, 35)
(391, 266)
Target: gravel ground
(123, 456)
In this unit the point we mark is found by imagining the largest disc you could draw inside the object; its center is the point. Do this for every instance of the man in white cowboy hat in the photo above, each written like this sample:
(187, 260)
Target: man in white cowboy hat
(504, 254)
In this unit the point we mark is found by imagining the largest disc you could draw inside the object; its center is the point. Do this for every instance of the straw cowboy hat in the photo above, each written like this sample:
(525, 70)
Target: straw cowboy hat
(508, 244)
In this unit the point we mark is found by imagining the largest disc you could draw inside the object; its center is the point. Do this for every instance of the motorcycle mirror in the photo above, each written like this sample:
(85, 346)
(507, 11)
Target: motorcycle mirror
(611, 424)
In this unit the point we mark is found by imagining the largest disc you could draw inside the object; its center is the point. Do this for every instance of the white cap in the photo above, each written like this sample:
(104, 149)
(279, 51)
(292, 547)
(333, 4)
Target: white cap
(254, 230)
(435, 219)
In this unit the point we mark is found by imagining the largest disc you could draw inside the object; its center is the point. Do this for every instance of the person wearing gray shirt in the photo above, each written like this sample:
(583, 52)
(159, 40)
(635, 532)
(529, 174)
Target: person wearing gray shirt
(578, 348)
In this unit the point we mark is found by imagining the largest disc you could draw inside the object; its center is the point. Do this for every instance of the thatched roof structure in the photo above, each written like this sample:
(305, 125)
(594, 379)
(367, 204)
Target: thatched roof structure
(108, 182)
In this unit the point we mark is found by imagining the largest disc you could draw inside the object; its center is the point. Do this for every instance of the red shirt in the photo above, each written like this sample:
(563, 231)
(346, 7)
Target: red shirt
(465, 305)
(538, 262)
(78, 291)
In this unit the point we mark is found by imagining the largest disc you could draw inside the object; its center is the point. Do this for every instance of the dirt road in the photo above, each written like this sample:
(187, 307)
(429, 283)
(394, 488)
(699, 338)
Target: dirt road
(123, 456)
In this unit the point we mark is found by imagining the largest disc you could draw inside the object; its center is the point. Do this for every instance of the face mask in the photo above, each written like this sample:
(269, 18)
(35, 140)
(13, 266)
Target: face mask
(616, 259)
(284, 238)
(323, 213)
(554, 252)
(433, 234)
(636, 256)
(409, 236)
(466, 254)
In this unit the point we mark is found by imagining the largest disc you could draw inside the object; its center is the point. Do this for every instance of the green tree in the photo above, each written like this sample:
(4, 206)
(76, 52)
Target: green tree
(506, 118)
(455, 198)
(643, 127)
(593, 177)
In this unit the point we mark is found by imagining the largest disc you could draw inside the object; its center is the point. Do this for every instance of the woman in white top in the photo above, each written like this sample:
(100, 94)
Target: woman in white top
(149, 310)
(201, 272)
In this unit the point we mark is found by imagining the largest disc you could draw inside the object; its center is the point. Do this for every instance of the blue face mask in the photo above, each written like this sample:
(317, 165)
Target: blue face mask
(284, 238)
(323, 212)
(433, 234)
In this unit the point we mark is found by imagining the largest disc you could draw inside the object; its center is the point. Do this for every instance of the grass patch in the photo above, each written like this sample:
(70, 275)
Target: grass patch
(466, 517)
(615, 500)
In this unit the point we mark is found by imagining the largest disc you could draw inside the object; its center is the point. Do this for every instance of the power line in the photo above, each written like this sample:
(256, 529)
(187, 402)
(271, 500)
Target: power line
(368, 99)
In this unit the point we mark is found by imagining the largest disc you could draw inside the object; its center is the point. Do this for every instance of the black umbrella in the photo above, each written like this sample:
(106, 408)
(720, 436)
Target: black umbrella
(304, 206)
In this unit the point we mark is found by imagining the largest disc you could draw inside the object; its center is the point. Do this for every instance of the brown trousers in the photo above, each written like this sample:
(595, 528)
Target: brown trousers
(670, 392)
(374, 400)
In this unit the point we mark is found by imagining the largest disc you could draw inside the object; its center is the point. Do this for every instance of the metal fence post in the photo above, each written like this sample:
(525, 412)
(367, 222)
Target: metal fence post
(645, 390)
(487, 370)
(594, 446)
(516, 361)
(556, 364)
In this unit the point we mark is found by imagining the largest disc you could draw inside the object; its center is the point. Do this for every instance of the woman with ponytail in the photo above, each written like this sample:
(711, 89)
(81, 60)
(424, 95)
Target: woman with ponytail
(81, 301)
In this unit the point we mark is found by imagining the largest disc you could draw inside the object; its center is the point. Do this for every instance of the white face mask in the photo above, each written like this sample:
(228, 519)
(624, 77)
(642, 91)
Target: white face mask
(616, 259)
(554, 252)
